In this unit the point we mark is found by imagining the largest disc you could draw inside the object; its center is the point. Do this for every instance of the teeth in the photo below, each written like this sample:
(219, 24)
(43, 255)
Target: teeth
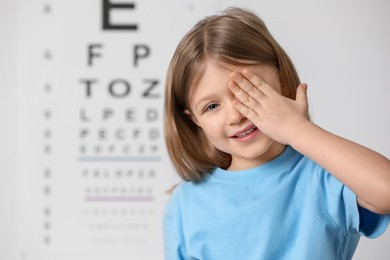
(246, 132)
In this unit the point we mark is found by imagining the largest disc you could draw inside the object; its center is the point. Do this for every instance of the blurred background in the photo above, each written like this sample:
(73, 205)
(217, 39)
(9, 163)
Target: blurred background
(83, 167)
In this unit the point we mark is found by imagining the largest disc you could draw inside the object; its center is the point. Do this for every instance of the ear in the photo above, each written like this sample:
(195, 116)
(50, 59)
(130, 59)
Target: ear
(191, 116)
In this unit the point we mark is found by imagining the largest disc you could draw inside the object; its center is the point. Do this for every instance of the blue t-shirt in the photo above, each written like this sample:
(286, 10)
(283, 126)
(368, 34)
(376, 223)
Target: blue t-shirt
(288, 208)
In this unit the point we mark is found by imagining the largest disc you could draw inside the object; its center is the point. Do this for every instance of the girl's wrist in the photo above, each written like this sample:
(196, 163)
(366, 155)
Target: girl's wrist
(300, 132)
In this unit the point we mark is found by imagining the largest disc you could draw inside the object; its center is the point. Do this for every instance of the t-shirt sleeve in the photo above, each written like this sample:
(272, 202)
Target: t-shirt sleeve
(174, 244)
(372, 225)
(342, 206)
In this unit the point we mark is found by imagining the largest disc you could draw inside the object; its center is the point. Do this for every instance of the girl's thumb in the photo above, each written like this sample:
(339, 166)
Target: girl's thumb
(301, 93)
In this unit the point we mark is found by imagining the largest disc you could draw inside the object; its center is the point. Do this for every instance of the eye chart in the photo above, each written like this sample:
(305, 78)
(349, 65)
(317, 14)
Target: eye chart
(94, 170)
(91, 171)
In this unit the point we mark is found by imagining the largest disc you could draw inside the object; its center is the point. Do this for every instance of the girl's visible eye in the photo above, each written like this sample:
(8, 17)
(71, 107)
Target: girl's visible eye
(211, 107)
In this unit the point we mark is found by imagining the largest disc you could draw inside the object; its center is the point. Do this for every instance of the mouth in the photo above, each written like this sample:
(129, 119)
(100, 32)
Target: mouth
(245, 132)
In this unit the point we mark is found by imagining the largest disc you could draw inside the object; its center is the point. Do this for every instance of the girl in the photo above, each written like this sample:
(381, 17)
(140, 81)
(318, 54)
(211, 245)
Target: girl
(261, 181)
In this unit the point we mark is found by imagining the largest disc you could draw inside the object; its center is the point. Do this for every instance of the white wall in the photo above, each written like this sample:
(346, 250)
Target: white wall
(8, 137)
(340, 49)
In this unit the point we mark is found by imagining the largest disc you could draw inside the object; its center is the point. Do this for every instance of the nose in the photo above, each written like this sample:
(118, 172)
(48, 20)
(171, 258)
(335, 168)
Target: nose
(234, 116)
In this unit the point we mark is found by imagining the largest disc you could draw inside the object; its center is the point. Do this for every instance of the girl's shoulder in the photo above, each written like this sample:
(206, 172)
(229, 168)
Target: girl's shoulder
(181, 196)
(184, 188)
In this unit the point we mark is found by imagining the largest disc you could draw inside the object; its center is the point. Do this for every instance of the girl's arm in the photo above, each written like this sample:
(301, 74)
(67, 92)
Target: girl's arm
(364, 171)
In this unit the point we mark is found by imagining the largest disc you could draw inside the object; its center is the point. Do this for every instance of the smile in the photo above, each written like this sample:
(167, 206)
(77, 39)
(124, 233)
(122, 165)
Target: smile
(245, 133)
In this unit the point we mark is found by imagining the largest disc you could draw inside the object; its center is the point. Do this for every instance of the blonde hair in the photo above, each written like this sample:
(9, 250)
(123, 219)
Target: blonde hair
(235, 36)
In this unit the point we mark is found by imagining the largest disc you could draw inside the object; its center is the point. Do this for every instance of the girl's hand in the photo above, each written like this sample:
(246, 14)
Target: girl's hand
(364, 171)
(275, 115)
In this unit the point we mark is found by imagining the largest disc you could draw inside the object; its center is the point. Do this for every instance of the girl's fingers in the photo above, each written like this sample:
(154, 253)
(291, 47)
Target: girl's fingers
(261, 85)
(245, 111)
(248, 89)
(250, 99)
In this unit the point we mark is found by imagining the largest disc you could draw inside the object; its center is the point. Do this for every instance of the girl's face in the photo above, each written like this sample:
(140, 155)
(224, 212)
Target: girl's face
(212, 109)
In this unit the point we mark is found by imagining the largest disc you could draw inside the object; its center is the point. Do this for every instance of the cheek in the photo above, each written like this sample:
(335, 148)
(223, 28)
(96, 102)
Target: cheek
(213, 125)
(209, 129)
(213, 131)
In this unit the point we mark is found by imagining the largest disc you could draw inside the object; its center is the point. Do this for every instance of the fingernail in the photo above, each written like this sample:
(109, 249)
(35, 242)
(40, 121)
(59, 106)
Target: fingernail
(245, 72)
(236, 76)
(233, 74)
(233, 86)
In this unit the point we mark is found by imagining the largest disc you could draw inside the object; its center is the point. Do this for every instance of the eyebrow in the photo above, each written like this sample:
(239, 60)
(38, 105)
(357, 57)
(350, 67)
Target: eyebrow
(201, 100)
